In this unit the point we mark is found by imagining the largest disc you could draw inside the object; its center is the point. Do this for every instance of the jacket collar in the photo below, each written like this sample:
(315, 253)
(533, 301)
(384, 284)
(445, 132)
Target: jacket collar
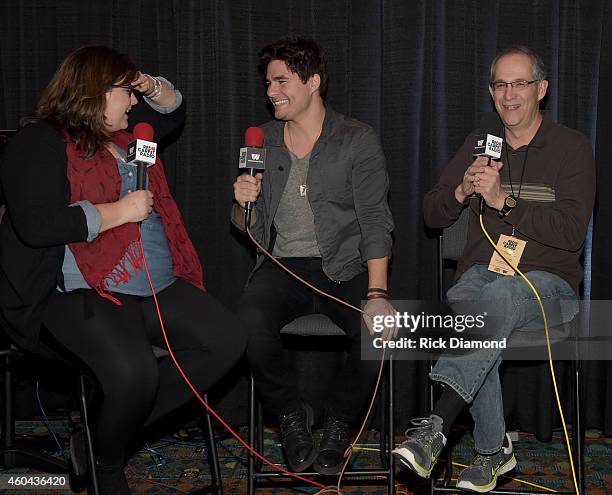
(276, 135)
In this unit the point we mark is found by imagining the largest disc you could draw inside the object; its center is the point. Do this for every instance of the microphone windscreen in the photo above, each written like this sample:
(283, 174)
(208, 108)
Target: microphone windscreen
(490, 123)
(254, 137)
(144, 131)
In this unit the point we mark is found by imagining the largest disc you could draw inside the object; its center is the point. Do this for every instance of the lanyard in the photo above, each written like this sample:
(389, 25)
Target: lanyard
(520, 185)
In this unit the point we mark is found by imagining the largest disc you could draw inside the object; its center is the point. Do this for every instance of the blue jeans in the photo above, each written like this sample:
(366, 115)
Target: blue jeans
(475, 376)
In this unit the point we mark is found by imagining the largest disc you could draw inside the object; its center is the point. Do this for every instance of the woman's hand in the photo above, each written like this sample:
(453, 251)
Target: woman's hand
(155, 89)
(144, 83)
(135, 206)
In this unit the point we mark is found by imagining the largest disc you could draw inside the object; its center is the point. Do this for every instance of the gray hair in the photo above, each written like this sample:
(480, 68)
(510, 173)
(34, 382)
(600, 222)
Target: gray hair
(538, 67)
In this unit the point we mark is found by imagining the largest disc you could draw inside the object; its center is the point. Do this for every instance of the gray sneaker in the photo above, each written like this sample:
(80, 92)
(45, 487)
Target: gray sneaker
(481, 475)
(422, 446)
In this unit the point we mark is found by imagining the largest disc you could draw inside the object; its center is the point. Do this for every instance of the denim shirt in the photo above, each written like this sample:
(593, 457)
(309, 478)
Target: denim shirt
(155, 242)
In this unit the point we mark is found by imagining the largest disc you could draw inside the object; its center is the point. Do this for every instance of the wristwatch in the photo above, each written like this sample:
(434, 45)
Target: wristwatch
(509, 203)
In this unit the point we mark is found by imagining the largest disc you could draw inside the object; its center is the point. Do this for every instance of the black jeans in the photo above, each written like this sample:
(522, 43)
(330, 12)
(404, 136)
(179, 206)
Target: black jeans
(114, 344)
(273, 299)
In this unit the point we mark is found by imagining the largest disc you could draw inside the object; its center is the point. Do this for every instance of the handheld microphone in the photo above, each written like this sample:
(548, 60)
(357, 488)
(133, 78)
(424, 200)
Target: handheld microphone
(252, 159)
(488, 143)
(142, 152)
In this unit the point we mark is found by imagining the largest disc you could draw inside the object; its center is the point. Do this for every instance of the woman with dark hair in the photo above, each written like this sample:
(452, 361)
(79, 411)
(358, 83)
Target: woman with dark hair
(72, 276)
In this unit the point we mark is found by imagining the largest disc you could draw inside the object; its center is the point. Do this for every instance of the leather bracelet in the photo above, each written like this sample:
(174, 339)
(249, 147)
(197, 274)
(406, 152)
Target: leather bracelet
(377, 290)
(377, 295)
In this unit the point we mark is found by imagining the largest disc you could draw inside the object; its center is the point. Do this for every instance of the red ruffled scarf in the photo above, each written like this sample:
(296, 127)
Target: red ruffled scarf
(105, 260)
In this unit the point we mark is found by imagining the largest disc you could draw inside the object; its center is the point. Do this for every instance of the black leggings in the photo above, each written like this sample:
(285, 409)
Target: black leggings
(114, 343)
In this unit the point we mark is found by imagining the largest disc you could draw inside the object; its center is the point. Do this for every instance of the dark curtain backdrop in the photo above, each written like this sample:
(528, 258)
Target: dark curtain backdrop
(417, 71)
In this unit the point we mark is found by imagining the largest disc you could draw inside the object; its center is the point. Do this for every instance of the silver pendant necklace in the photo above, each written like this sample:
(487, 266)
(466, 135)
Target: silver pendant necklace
(302, 188)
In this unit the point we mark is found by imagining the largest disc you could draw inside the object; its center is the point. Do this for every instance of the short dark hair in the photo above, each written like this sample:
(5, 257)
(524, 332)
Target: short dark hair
(538, 67)
(303, 56)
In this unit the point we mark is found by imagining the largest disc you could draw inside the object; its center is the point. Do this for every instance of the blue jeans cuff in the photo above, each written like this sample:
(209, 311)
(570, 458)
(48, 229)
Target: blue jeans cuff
(454, 385)
(490, 451)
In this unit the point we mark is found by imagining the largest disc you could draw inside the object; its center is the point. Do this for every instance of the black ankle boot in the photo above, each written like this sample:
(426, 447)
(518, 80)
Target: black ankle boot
(112, 480)
(334, 443)
(297, 437)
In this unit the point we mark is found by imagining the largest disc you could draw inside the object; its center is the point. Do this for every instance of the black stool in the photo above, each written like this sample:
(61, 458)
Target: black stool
(216, 485)
(14, 453)
(318, 325)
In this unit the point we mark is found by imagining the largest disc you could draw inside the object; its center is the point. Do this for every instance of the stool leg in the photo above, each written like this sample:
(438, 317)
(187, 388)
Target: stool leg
(577, 433)
(448, 473)
(383, 436)
(213, 462)
(12, 452)
(8, 421)
(260, 435)
(391, 432)
(387, 430)
(93, 474)
(251, 457)
(432, 394)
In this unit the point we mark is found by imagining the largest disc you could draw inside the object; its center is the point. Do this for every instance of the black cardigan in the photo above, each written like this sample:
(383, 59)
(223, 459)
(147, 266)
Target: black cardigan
(39, 223)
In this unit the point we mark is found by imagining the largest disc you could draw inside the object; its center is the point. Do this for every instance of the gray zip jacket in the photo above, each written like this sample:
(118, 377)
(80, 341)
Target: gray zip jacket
(347, 190)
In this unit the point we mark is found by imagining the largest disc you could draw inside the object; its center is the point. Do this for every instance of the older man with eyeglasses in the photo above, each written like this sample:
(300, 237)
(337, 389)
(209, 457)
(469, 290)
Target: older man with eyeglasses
(539, 197)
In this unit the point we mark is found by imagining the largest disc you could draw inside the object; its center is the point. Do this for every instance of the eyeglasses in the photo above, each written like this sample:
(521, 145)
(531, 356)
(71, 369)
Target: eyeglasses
(518, 85)
(127, 87)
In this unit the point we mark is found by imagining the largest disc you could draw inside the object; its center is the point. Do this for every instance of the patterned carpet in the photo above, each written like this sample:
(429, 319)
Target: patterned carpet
(177, 464)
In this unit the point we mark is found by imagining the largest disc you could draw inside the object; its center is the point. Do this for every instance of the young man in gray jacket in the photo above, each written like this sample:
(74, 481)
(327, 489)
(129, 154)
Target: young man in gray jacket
(322, 206)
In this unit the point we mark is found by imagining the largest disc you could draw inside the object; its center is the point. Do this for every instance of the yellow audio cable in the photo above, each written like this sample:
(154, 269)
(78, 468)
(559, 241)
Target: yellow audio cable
(550, 361)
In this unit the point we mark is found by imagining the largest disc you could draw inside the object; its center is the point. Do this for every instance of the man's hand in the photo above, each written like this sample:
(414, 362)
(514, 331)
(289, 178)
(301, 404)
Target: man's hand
(482, 178)
(380, 308)
(247, 188)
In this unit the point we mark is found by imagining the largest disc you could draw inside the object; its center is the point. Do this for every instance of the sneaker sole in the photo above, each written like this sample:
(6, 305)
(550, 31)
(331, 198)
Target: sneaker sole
(406, 457)
(504, 468)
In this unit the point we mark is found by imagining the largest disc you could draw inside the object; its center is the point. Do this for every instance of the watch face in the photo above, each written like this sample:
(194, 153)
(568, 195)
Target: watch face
(510, 202)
